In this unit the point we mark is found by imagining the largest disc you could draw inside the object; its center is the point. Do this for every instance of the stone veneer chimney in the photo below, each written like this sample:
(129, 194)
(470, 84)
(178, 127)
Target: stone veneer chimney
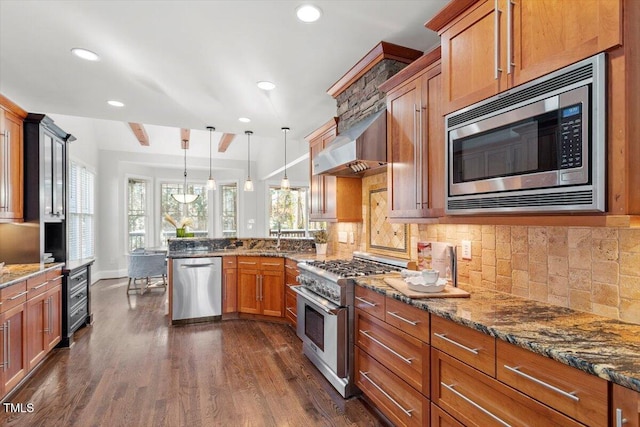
(356, 93)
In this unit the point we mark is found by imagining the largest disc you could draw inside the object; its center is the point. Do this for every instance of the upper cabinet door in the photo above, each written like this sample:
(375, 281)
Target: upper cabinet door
(547, 35)
(11, 170)
(54, 178)
(499, 44)
(471, 52)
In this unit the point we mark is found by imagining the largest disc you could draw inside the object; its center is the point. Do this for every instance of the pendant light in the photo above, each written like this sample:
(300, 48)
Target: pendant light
(248, 184)
(184, 197)
(211, 183)
(285, 184)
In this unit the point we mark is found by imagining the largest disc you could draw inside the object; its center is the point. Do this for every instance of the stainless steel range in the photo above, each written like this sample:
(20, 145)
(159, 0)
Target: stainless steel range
(326, 312)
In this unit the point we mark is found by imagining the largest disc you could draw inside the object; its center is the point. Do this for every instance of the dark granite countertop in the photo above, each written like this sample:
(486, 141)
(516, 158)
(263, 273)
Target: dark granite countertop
(296, 256)
(14, 273)
(598, 345)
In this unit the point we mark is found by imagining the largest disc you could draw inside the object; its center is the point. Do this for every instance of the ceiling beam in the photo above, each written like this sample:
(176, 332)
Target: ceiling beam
(184, 138)
(225, 141)
(140, 133)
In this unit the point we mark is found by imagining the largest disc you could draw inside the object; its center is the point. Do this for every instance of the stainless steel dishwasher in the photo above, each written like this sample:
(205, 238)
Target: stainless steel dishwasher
(197, 289)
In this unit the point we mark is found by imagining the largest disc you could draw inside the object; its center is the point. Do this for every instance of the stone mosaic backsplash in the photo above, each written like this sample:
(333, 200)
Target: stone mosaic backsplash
(591, 269)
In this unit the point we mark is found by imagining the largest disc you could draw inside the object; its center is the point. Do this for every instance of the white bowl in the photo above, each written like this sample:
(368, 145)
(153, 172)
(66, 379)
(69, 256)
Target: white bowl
(410, 273)
(430, 276)
(420, 286)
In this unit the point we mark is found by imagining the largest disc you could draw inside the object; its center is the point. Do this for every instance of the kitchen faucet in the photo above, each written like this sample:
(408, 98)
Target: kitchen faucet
(279, 233)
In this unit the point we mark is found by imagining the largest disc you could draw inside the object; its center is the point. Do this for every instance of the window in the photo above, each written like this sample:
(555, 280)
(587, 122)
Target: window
(196, 211)
(229, 195)
(80, 222)
(136, 213)
(288, 211)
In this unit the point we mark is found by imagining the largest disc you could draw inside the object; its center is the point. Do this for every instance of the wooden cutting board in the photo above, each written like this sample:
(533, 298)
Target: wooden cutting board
(448, 292)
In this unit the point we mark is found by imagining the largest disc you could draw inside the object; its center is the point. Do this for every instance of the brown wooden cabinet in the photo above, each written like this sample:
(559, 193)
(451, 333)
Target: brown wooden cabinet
(11, 164)
(261, 285)
(13, 354)
(291, 272)
(43, 316)
(415, 141)
(229, 284)
(575, 393)
(625, 407)
(475, 399)
(331, 198)
(494, 45)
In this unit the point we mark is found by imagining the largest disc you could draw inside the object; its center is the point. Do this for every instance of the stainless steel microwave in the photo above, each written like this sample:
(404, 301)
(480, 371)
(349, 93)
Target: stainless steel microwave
(539, 147)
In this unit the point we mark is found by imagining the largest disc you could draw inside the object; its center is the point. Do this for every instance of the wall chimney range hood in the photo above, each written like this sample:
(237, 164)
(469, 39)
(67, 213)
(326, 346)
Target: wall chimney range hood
(360, 150)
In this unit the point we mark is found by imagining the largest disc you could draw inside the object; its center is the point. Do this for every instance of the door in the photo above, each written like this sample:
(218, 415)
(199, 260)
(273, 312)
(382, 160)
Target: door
(548, 34)
(403, 150)
(230, 290)
(248, 289)
(53, 150)
(13, 355)
(472, 49)
(11, 172)
(272, 293)
(37, 315)
(54, 321)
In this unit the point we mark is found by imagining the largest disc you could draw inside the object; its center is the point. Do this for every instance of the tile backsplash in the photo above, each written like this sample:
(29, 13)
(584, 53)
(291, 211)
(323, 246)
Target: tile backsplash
(591, 269)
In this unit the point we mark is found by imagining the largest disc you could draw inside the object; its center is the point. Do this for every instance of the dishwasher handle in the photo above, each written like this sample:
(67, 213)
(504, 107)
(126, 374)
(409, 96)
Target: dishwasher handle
(201, 265)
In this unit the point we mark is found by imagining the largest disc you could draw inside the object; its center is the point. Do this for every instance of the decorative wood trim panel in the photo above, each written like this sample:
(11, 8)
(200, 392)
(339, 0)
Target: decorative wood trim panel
(448, 13)
(12, 106)
(382, 50)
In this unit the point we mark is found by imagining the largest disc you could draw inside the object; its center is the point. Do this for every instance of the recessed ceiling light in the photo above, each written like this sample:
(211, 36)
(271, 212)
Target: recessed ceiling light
(85, 54)
(114, 103)
(244, 119)
(265, 85)
(308, 13)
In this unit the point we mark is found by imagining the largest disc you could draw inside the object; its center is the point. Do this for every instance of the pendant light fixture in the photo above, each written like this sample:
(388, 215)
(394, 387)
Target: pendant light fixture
(285, 184)
(185, 197)
(211, 183)
(248, 184)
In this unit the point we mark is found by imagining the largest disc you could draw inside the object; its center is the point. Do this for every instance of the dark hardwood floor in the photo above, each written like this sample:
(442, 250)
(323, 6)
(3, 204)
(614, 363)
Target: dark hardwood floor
(130, 369)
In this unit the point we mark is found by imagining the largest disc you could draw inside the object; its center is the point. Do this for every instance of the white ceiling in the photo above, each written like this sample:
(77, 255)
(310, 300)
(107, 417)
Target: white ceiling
(195, 63)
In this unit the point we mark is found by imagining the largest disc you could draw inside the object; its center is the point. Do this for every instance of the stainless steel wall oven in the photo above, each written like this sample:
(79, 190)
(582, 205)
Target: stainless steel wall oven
(537, 148)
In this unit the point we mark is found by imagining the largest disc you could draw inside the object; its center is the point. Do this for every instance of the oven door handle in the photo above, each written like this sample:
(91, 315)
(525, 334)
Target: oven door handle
(317, 301)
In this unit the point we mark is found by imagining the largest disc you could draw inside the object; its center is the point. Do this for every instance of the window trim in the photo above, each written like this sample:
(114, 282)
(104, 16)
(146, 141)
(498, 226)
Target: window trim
(94, 227)
(150, 221)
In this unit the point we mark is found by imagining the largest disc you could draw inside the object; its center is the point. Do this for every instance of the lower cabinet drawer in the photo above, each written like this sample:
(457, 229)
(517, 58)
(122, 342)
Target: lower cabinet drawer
(77, 296)
(401, 353)
(580, 395)
(370, 301)
(476, 399)
(77, 315)
(440, 418)
(399, 402)
(290, 306)
(78, 278)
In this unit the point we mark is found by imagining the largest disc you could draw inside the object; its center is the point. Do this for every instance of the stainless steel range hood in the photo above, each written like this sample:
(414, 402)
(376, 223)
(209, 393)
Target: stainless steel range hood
(360, 150)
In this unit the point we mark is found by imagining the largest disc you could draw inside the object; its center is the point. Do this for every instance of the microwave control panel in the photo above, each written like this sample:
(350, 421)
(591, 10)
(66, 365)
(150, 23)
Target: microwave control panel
(571, 134)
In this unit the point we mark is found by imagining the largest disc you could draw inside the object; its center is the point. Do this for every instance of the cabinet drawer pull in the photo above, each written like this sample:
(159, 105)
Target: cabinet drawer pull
(292, 312)
(8, 362)
(571, 395)
(273, 264)
(15, 297)
(462, 346)
(619, 420)
(35, 288)
(466, 399)
(411, 322)
(3, 365)
(406, 411)
(509, 34)
(246, 263)
(366, 302)
(389, 349)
